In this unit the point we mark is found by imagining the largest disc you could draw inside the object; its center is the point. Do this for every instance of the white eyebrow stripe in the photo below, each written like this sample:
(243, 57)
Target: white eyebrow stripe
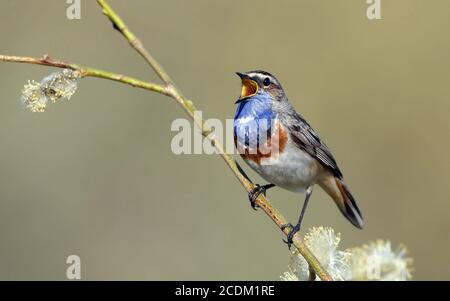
(259, 75)
(254, 75)
(262, 76)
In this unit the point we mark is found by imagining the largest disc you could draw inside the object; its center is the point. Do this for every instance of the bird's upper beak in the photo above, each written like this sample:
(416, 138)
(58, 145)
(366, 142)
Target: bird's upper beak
(249, 87)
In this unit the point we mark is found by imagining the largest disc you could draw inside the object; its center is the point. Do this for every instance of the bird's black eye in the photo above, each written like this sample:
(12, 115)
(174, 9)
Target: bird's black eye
(266, 81)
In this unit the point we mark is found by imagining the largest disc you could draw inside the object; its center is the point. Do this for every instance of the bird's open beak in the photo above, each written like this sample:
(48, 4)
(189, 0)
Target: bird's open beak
(249, 87)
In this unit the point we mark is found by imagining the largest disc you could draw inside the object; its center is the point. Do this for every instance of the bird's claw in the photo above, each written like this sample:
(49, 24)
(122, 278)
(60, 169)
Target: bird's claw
(288, 225)
(254, 193)
(290, 236)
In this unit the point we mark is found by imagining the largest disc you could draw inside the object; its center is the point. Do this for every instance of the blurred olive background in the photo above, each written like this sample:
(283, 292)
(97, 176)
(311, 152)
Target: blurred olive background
(95, 176)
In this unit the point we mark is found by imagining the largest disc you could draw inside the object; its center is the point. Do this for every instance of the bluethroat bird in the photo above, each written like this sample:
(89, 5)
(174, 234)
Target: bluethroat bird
(264, 117)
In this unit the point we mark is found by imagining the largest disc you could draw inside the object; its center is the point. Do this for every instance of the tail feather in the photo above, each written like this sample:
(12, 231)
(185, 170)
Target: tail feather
(341, 195)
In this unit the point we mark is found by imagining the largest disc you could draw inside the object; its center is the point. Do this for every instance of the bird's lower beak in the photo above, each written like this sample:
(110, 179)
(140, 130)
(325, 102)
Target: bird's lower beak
(249, 87)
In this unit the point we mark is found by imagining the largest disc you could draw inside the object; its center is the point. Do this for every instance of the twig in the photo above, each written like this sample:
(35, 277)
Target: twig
(169, 89)
(134, 41)
(86, 71)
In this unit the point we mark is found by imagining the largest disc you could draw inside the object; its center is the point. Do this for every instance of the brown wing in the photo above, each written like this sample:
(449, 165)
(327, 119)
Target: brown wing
(306, 139)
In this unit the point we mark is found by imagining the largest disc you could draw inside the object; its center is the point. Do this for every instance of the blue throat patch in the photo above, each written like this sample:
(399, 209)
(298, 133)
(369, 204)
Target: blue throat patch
(253, 120)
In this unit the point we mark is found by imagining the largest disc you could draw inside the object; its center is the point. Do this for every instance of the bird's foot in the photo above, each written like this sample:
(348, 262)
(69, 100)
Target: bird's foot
(288, 225)
(290, 236)
(254, 193)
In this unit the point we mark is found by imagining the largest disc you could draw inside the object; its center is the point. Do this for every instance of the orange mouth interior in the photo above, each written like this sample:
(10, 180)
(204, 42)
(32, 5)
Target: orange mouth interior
(249, 88)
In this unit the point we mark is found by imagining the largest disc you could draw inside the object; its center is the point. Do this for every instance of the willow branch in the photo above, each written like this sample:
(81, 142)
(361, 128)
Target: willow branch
(189, 107)
(170, 90)
(86, 71)
(134, 41)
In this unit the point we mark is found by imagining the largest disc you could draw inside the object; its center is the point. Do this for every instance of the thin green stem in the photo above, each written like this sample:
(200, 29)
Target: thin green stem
(134, 41)
(86, 71)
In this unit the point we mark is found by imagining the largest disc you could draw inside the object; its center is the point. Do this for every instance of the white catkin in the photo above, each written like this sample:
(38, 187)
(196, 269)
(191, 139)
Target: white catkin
(374, 261)
(56, 86)
(377, 261)
(32, 97)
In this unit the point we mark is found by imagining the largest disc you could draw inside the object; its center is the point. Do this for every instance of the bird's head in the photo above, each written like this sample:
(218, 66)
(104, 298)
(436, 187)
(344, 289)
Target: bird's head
(259, 83)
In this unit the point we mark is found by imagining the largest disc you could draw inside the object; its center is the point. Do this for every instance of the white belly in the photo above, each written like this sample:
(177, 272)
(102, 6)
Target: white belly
(293, 169)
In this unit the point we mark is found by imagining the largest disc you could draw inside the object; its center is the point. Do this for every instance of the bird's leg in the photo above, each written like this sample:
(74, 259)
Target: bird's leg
(256, 191)
(296, 228)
